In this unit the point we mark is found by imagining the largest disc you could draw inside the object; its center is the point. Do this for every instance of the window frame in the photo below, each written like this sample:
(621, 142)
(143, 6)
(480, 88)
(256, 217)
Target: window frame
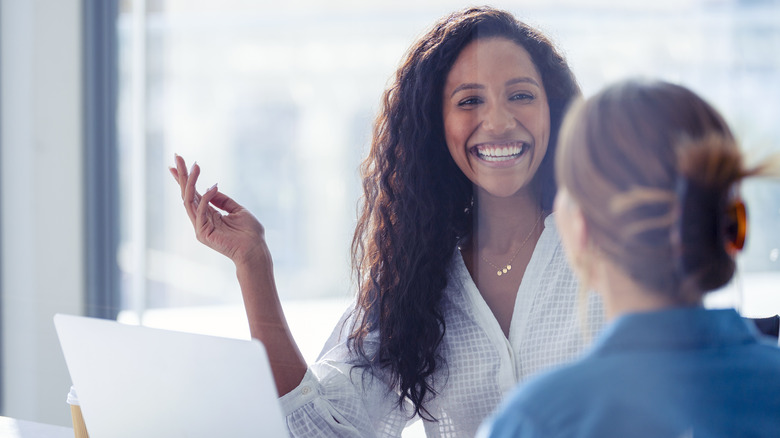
(101, 184)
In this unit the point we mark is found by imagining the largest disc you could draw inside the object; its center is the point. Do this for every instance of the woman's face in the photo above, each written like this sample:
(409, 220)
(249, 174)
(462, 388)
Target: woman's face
(496, 116)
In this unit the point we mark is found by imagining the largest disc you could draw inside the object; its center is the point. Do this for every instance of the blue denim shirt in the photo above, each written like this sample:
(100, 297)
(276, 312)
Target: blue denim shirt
(683, 372)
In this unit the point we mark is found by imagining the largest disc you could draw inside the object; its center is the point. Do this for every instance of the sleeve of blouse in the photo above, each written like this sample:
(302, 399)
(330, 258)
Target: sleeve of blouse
(337, 399)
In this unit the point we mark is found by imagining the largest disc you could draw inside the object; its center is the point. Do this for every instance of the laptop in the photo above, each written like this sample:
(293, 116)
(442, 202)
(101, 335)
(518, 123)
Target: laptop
(135, 381)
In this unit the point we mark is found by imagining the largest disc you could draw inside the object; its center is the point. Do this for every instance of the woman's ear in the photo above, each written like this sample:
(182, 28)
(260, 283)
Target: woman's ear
(572, 228)
(581, 257)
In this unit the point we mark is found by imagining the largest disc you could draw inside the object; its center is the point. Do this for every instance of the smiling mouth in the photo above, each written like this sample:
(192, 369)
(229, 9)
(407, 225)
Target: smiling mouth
(497, 152)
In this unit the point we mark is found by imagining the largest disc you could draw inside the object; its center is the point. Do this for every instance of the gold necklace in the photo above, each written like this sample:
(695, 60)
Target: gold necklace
(508, 266)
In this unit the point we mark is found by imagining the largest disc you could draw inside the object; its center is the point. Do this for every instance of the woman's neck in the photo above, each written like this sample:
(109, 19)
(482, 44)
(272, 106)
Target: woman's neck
(502, 223)
(622, 295)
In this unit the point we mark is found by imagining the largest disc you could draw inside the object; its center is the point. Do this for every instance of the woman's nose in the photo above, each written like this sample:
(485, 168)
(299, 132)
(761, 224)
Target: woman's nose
(497, 119)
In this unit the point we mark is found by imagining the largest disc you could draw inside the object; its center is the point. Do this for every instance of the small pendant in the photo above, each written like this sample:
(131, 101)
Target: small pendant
(505, 270)
(499, 273)
(508, 267)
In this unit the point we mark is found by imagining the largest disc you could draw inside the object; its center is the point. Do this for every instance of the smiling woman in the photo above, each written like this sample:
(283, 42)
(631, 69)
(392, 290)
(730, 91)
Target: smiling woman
(497, 127)
(496, 116)
(438, 331)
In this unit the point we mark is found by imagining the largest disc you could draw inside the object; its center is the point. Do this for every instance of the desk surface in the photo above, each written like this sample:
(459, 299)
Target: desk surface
(13, 428)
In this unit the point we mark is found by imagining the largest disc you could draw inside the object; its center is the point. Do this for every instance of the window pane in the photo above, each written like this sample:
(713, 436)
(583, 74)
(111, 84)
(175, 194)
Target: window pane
(276, 105)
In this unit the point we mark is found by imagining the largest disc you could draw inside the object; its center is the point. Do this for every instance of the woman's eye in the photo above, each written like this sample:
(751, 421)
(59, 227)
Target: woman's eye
(522, 97)
(470, 101)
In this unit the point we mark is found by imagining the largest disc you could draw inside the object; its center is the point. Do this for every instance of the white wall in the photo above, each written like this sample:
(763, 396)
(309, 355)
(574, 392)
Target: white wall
(42, 200)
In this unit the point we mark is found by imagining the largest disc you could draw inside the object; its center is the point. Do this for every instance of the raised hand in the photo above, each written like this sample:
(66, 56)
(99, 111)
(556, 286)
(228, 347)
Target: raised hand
(224, 225)
(220, 222)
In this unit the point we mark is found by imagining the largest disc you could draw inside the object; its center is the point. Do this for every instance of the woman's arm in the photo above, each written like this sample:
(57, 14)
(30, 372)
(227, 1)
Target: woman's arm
(237, 234)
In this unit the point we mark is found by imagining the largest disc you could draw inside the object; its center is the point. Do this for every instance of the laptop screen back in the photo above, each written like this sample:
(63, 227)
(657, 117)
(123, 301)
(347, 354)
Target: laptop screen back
(135, 381)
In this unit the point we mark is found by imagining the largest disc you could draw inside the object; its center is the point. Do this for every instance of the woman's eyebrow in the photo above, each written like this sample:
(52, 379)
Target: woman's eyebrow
(524, 79)
(467, 86)
(474, 86)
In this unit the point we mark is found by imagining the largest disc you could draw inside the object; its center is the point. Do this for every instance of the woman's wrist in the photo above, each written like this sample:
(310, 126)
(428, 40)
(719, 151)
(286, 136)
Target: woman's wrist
(257, 257)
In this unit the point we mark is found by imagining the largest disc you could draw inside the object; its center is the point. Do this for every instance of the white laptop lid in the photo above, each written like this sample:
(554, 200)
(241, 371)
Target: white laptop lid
(135, 381)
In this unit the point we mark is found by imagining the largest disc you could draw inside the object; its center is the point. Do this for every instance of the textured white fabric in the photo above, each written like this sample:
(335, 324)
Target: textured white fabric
(482, 365)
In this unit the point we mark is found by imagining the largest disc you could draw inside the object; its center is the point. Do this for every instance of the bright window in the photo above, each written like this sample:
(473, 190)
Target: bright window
(276, 104)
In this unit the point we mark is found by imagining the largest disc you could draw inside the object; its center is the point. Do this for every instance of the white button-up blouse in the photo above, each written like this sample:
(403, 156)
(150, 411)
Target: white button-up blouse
(336, 399)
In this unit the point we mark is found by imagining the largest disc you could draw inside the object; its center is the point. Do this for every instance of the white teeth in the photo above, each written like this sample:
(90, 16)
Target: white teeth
(500, 153)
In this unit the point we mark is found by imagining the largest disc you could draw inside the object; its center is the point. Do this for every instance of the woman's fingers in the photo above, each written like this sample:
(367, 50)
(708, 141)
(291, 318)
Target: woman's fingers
(224, 202)
(187, 181)
(181, 173)
(205, 216)
(191, 197)
(180, 164)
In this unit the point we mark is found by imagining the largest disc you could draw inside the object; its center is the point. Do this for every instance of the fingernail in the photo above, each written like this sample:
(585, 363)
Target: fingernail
(195, 163)
(212, 187)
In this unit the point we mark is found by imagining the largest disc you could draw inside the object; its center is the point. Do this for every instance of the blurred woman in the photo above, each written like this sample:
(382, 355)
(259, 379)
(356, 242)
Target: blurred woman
(463, 289)
(651, 219)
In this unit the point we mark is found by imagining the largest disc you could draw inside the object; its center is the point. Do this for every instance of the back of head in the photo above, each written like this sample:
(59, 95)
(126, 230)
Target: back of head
(654, 168)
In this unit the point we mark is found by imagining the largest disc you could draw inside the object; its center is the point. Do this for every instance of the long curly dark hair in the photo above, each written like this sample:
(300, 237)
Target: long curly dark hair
(417, 203)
